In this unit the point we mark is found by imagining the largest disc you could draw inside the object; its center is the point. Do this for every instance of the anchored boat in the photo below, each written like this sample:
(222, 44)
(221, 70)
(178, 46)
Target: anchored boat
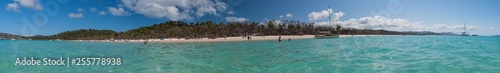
(326, 35)
(465, 31)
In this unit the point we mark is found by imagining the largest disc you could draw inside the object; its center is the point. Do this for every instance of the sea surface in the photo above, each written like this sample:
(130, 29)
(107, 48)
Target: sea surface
(374, 54)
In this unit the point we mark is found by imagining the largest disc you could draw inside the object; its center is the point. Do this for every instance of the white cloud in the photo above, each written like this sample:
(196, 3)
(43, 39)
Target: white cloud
(236, 19)
(491, 29)
(93, 9)
(450, 28)
(75, 15)
(13, 7)
(381, 22)
(175, 9)
(102, 13)
(376, 22)
(208, 7)
(80, 10)
(336, 16)
(118, 11)
(275, 22)
(230, 12)
(319, 15)
(289, 15)
(17, 4)
(321, 23)
(33, 4)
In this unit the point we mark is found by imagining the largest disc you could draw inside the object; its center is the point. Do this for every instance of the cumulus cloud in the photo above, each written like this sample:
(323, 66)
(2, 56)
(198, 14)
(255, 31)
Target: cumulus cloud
(323, 23)
(376, 22)
(80, 10)
(209, 7)
(398, 24)
(33, 4)
(102, 13)
(13, 7)
(336, 16)
(236, 19)
(381, 22)
(289, 15)
(118, 11)
(16, 5)
(230, 12)
(450, 28)
(175, 9)
(93, 9)
(75, 15)
(319, 15)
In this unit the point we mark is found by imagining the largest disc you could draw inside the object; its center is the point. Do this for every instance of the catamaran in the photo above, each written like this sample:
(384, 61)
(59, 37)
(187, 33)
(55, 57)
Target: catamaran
(465, 31)
(326, 34)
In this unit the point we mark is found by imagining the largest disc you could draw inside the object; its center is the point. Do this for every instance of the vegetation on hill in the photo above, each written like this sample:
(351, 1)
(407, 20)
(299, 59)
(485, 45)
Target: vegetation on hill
(209, 29)
(10, 36)
(86, 34)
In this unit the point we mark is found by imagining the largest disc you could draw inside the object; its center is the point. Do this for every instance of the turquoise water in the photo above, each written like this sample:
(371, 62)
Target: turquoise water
(384, 54)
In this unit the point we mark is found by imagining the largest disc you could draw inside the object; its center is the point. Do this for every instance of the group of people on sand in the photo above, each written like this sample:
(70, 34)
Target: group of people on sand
(279, 39)
(247, 36)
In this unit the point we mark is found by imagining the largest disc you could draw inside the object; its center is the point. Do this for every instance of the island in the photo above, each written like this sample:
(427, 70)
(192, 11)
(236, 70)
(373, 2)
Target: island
(179, 30)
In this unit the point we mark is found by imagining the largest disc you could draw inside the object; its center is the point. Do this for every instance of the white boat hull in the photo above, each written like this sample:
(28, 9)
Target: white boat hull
(327, 37)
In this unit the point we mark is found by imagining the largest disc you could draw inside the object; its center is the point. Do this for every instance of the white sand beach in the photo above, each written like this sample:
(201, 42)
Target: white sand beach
(283, 38)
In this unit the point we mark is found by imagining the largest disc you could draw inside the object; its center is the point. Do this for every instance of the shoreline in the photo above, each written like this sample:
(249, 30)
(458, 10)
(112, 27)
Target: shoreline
(228, 39)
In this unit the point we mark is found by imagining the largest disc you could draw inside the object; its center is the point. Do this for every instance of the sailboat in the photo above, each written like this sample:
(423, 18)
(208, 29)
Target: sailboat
(13, 38)
(326, 34)
(465, 31)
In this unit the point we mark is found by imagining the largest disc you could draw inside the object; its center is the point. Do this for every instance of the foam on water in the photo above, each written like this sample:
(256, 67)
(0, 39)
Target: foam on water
(400, 54)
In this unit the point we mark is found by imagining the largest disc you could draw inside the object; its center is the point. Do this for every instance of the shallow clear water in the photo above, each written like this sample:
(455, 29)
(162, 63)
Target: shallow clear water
(395, 54)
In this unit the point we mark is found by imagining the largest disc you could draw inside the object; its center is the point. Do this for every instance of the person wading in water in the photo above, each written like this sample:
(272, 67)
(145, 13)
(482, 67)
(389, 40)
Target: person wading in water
(279, 39)
(146, 42)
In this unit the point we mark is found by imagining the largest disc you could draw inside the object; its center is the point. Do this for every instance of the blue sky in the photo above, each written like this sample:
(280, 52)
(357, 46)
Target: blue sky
(35, 17)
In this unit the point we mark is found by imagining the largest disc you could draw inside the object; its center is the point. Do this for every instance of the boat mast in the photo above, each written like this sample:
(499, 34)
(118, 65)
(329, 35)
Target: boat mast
(465, 29)
(329, 15)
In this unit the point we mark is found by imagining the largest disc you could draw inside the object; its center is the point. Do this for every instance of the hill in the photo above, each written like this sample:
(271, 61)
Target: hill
(10, 36)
